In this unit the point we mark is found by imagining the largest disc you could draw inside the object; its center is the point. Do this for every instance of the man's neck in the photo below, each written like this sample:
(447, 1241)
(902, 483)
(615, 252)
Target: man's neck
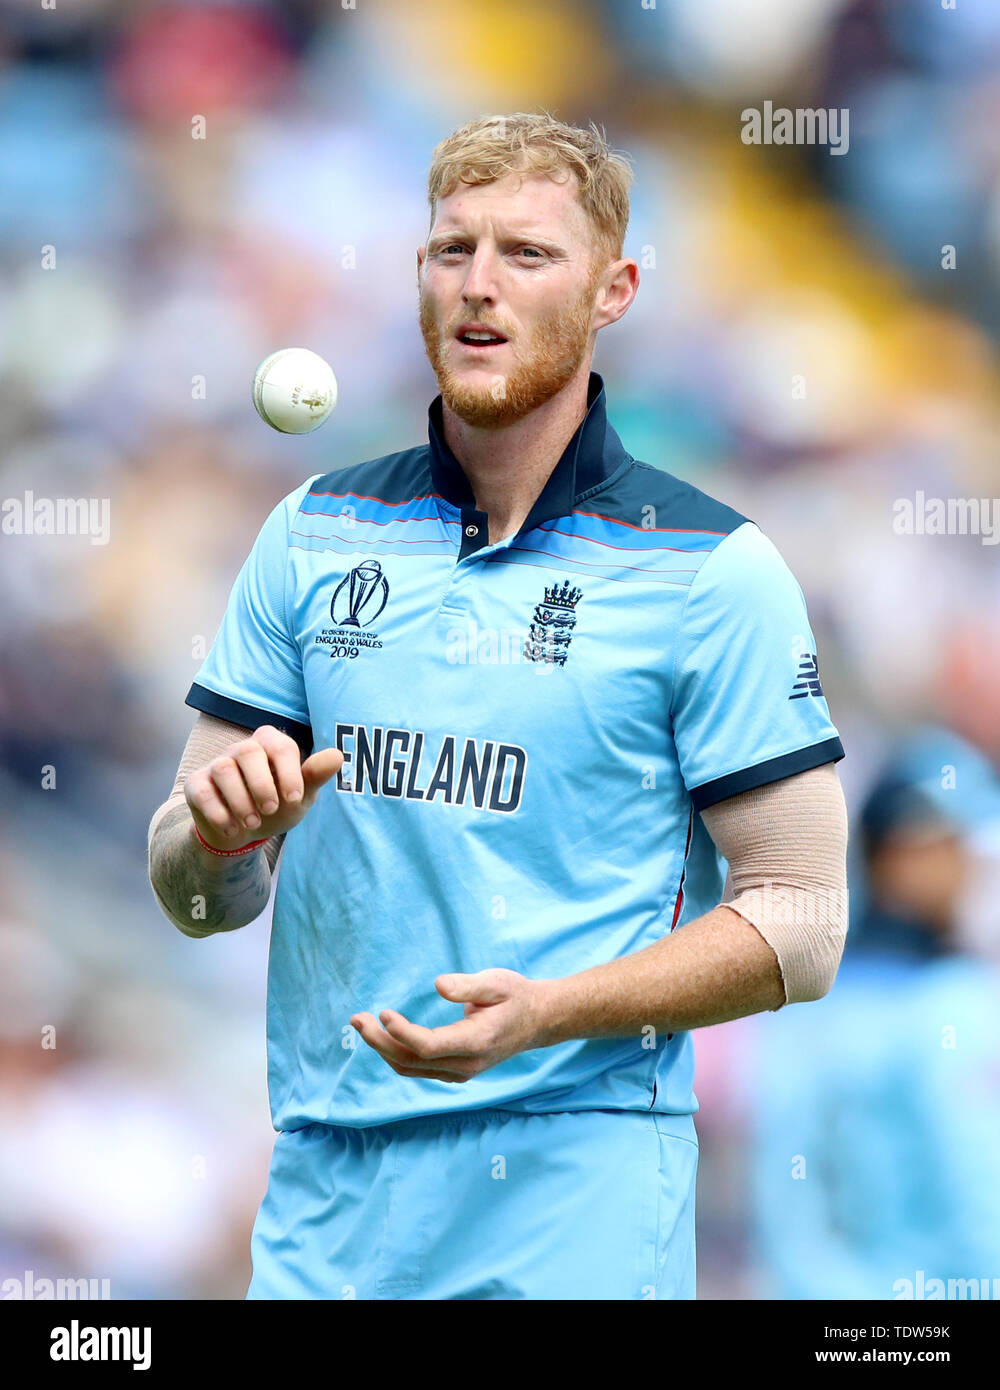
(508, 468)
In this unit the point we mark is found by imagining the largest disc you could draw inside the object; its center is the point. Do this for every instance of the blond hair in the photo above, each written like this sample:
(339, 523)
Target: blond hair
(487, 149)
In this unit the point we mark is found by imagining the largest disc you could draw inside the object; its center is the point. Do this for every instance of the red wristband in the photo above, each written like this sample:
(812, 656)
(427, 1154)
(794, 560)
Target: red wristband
(228, 853)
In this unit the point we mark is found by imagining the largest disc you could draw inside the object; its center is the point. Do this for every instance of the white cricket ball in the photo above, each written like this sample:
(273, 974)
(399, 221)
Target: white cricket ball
(294, 390)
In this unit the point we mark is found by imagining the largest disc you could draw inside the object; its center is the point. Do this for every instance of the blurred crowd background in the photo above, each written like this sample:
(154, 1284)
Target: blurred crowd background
(846, 1144)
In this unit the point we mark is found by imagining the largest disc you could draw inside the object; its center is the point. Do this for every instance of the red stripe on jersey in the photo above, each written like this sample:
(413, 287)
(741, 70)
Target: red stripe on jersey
(680, 888)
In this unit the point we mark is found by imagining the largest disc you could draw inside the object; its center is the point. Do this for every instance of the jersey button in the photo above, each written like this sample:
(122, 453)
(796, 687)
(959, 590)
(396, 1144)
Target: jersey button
(472, 530)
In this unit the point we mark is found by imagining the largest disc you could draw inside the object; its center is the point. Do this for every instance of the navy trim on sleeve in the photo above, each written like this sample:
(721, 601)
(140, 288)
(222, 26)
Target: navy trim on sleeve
(249, 716)
(831, 750)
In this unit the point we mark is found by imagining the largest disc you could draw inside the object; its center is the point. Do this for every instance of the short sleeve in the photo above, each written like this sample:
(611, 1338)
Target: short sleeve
(253, 673)
(747, 707)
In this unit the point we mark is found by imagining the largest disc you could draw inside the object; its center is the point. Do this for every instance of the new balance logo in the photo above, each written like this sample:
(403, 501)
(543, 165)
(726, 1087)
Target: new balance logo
(808, 681)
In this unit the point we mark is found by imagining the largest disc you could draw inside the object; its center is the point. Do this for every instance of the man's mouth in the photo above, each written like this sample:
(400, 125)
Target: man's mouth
(474, 336)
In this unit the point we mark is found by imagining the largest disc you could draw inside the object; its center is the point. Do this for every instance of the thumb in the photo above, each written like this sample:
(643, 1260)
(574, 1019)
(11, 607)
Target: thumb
(319, 767)
(481, 988)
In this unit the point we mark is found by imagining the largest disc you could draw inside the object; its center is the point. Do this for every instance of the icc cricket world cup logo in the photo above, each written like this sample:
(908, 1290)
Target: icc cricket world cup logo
(360, 596)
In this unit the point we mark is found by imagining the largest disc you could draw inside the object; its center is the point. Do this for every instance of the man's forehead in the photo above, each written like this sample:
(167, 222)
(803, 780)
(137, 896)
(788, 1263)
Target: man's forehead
(525, 199)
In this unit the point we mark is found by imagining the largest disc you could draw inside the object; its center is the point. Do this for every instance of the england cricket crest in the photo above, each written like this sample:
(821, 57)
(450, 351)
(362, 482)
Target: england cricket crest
(552, 625)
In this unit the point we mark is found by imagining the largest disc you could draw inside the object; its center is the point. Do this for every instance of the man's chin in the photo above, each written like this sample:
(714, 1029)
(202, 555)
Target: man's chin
(503, 400)
(485, 408)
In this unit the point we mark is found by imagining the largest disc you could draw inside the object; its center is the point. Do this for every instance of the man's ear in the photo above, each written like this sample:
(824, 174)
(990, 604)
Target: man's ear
(621, 289)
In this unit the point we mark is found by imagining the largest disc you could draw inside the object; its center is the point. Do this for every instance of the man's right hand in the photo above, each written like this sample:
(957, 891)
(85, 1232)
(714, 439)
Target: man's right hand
(258, 788)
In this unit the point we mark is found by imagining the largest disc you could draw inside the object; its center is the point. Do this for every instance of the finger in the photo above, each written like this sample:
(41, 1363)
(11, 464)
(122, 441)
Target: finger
(453, 1040)
(428, 1074)
(484, 987)
(204, 801)
(451, 1079)
(229, 784)
(252, 761)
(285, 758)
(320, 767)
(395, 1053)
(376, 1037)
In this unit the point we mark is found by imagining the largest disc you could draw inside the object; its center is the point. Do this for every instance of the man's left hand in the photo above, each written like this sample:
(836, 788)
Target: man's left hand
(504, 1014)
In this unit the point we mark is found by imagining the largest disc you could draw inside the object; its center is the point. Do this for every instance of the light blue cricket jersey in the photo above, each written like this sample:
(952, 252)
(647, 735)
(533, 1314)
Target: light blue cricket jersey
(530, 729)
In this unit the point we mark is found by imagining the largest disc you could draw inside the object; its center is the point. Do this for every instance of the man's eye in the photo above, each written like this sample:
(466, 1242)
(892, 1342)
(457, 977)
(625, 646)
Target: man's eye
(450, 250)
(529, 251)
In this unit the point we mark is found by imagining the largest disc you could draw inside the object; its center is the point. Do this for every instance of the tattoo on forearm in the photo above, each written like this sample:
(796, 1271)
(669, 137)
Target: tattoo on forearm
(201, 897)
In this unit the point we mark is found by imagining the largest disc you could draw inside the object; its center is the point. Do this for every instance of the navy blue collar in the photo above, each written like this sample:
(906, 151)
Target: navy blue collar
(591, 457)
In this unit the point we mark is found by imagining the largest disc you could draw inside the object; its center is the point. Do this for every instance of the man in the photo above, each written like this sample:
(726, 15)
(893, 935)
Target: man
(875, 1144)
(557, 688)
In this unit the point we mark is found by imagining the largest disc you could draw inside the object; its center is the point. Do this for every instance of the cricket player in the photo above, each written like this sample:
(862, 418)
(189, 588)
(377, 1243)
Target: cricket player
(507, 702)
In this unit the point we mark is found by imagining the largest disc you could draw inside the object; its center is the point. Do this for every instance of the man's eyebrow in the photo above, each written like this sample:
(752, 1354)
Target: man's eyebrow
(525, 234)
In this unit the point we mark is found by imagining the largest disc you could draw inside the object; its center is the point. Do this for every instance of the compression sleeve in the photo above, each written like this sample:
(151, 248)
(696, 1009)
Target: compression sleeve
(786, 845)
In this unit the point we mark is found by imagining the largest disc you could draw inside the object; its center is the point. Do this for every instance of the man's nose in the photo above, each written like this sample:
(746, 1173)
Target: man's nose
(481, 281)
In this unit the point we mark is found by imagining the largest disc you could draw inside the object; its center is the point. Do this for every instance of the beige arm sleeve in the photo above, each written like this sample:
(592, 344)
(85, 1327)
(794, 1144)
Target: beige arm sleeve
(208, 739)
(786, 845)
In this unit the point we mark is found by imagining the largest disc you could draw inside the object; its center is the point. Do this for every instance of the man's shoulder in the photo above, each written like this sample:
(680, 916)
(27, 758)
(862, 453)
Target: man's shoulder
(654, 500)
(390, 480)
